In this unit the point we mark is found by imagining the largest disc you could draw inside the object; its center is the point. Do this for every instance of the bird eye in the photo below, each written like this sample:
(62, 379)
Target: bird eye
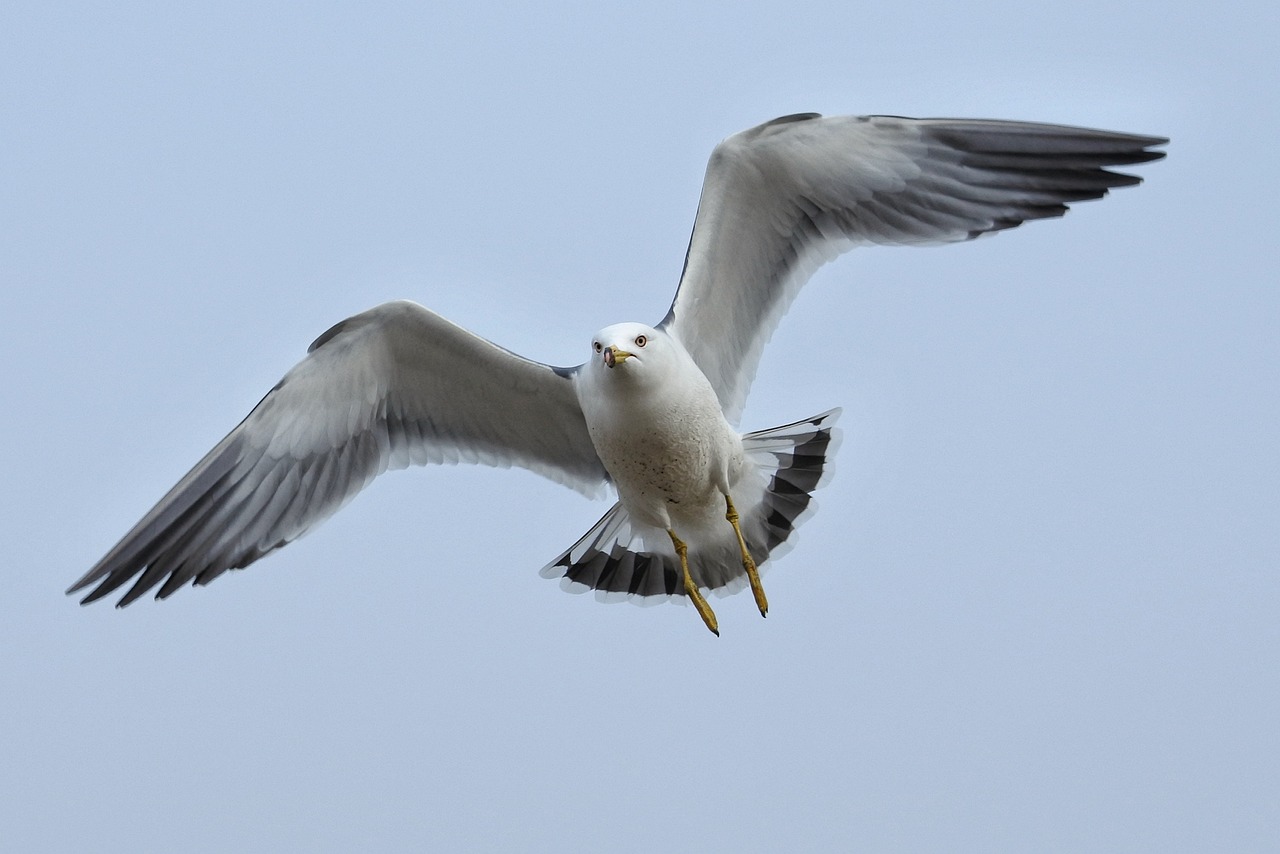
(598, 346)
(641, 340)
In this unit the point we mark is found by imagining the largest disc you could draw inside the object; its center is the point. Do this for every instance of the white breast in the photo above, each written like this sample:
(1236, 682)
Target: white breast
(658, 428)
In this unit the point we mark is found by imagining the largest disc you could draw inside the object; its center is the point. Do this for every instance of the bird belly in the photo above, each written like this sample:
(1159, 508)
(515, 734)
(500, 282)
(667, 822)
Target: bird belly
(671, 469)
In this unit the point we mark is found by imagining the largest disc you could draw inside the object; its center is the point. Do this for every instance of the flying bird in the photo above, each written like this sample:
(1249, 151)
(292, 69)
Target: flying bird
(653, 410)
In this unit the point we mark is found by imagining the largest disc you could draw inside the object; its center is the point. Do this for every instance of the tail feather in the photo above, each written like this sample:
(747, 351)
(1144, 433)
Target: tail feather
(620, 561)
(801, 467)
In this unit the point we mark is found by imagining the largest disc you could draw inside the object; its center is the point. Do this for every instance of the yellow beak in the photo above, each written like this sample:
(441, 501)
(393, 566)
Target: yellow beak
(613, 356)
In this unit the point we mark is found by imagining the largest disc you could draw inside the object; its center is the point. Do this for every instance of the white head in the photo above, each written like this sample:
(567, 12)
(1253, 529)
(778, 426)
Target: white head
(637, 367)
(635, 352)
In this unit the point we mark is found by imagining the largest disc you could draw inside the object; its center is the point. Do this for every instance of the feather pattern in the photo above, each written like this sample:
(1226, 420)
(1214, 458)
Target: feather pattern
(781, 199)
(394, 386)
(398, 385)
(623, 561)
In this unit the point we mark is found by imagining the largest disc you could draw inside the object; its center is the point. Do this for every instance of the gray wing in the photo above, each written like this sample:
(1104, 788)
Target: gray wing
(394, 386)
(783, 198)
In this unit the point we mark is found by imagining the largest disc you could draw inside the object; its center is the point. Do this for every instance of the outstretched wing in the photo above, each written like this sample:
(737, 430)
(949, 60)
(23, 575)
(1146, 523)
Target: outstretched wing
(783, 198)
(394, 386)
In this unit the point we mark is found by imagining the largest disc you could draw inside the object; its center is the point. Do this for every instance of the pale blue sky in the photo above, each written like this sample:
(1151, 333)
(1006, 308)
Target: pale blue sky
(1037, 610)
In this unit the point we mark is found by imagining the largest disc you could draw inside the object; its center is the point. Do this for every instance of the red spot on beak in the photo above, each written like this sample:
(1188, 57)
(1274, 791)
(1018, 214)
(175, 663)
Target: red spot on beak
(613, 356)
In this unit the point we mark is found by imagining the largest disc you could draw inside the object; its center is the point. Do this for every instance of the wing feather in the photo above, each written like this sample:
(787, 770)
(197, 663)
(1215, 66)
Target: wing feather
(394, 386)
(781, 199)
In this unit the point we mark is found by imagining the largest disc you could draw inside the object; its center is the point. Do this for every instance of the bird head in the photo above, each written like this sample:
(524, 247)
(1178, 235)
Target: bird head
(621, 343)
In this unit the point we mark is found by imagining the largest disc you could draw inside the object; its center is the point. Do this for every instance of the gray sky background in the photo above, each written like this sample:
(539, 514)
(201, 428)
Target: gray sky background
(1037, 610)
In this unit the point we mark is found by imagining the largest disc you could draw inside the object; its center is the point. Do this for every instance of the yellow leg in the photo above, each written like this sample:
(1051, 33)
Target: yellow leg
(695, 595)
(753, 575)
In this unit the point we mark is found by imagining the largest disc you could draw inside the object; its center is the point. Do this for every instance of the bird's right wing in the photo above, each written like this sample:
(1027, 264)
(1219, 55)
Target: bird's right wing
(394, 386)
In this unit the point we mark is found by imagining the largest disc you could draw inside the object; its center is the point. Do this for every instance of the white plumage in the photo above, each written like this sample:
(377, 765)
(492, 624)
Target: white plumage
(656, 424)
(399, 385)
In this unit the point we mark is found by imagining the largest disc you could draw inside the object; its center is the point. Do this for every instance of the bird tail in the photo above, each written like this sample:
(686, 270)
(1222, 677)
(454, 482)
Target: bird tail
(621, 560)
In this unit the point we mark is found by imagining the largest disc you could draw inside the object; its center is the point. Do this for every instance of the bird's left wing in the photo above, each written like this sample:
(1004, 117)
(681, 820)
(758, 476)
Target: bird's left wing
(782, 198)
(394, 386)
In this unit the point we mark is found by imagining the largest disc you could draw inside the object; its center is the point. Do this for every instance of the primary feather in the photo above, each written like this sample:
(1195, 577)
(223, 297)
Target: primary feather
(399, 385)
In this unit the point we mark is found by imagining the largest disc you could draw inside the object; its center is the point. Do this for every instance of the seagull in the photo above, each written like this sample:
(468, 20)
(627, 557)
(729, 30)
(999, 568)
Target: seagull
(653, 410)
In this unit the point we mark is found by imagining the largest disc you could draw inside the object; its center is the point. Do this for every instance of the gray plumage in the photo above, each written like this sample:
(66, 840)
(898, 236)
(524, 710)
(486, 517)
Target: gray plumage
(399, 385)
